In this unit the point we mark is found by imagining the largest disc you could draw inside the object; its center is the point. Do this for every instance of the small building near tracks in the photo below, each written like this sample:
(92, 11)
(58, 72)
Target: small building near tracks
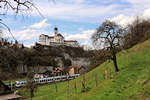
(7, 94)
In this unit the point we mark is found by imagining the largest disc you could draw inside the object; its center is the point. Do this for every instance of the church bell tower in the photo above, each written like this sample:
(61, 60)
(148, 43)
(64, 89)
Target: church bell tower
(55, 30)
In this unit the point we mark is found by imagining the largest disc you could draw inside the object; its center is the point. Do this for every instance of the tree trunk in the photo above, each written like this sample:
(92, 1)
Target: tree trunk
(31, 93)
(115, 62)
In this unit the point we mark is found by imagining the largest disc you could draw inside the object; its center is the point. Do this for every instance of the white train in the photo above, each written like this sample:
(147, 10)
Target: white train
(48, 80)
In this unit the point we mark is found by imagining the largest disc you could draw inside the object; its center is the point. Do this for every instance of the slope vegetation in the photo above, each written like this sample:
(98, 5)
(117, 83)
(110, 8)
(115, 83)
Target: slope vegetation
(131, 83)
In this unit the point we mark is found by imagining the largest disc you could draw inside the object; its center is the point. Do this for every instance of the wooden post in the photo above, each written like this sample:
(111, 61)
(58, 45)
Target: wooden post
(106, 74)
(67, 98)
(56, 86)
(75, 86)
(83, 84)
(96, 79)
(110, 75)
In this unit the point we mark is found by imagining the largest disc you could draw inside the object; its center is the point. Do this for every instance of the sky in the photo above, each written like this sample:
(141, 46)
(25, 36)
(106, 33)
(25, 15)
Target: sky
(75, 19)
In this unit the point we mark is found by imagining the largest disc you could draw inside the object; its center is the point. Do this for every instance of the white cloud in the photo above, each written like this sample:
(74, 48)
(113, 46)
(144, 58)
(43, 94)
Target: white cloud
(29, 45)
(82, 10)
(29, 35)
(89, 10)
(146, 14)
(138, 6)
(124, 20)
(83, 38)
(76, 10)
(86, 10)
(84, 35)
(26, 35)
(41, 24)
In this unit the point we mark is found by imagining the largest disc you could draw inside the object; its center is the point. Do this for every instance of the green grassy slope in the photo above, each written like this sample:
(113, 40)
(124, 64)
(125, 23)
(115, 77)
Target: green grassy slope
(131, 83)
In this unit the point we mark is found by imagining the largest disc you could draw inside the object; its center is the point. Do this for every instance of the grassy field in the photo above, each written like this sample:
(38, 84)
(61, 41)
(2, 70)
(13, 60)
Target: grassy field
(131, 83)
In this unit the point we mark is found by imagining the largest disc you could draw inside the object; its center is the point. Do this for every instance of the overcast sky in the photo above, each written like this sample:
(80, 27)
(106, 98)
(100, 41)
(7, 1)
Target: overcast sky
(75, 19)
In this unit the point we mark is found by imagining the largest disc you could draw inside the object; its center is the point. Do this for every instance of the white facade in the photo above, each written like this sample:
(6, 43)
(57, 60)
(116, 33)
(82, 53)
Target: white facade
(57, 39)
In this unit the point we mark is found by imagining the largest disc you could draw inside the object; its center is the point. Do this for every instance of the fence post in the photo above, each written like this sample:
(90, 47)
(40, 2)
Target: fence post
(67, 89)
(56, 86)
(106, 74)
(96, 79)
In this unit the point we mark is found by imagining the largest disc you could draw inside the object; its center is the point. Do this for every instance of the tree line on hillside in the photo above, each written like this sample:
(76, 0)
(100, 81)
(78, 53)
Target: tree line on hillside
(114, 38)
(13, 56)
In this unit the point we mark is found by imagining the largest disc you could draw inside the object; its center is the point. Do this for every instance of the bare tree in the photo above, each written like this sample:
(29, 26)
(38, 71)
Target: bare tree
(137, 32)
(108, 36)
(16, 6)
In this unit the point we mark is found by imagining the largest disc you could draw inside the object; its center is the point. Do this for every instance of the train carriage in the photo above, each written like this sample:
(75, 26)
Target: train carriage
(48, 80)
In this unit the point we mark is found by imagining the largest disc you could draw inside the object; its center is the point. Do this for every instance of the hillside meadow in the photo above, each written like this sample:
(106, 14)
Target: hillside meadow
(103, 83)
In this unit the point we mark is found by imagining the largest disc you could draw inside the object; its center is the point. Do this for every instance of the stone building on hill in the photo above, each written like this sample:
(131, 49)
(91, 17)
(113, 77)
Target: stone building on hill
(56, 40)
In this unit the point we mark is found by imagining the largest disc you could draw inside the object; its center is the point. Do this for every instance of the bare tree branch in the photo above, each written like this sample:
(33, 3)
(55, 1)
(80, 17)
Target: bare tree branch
(109, 36)
(8, 29)
(17, 6)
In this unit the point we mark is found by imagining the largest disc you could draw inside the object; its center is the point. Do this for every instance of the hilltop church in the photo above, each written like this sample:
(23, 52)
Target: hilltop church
(56, 40)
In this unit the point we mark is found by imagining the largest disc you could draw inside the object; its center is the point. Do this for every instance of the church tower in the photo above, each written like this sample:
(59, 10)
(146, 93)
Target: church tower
(55, 31)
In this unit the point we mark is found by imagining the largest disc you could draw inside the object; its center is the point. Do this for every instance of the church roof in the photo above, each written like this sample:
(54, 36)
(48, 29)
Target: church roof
(59, 35)
(51, 36)
(70, 41)
(47, 36)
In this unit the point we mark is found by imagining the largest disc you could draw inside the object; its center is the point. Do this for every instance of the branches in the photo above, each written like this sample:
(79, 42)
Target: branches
(7, 29)
(16, 5)
(110, 34)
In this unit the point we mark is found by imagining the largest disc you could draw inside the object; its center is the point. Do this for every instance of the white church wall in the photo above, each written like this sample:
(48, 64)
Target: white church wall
(58, 39)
